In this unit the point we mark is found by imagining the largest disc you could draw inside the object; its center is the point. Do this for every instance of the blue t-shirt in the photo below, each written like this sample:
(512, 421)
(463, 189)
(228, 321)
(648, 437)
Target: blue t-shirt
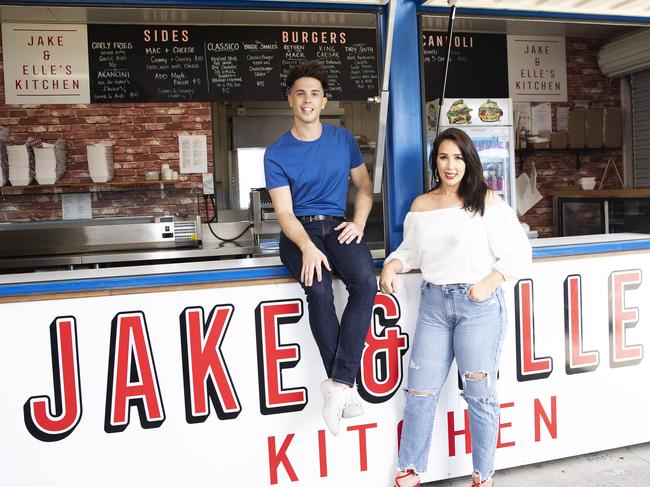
(317, 172)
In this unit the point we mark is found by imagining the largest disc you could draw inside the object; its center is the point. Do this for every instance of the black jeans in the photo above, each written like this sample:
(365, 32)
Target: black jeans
(341, 345)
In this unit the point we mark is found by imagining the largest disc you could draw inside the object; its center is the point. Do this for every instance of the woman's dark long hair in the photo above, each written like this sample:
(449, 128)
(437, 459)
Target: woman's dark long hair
(473, 187)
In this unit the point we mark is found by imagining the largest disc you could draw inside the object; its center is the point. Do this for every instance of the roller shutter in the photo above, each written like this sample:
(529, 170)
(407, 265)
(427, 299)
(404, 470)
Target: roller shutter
(641, 128)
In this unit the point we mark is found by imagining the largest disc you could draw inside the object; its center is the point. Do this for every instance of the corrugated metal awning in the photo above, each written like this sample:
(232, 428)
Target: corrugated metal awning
(613, 8)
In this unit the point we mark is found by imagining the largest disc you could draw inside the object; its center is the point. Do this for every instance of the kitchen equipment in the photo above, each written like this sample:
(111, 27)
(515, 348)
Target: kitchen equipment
(262, 214)
(98, 235)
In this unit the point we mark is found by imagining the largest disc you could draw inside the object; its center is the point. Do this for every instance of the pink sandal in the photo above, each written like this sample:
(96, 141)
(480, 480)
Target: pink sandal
(403, 475)
(478, 484)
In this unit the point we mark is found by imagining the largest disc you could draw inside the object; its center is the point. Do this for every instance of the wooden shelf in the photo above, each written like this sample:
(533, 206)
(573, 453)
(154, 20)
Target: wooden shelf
(91, 187)
(598, 193)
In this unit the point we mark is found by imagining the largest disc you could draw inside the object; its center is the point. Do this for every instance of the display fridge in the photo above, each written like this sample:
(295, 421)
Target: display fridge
(489, 123)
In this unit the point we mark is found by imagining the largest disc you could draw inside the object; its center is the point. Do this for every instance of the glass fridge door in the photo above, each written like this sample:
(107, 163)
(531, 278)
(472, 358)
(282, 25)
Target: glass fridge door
(629, 215)
(580, 217)
(494, 146)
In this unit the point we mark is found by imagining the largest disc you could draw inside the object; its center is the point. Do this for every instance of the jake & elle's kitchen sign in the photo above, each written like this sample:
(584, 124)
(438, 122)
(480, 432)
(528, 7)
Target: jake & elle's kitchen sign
(537, 68)
(45, 63)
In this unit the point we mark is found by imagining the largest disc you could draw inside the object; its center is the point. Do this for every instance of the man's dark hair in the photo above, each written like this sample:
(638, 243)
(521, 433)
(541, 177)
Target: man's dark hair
(310, 69)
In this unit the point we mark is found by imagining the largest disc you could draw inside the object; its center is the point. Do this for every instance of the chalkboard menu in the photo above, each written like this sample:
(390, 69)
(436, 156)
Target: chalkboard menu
(478, 65)
(200, 63)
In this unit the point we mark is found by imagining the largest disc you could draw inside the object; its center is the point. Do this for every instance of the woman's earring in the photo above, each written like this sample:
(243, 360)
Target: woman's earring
(436, 176)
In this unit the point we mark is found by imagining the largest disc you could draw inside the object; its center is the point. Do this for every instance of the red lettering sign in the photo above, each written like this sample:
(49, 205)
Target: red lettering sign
(280, 457)
(621, 318)
(529, 367)
(363, 443)
(577, 361)
(540, 413)
(273, 356)
(381, 370)
(66, 414)
(132, 379)
(205, 374)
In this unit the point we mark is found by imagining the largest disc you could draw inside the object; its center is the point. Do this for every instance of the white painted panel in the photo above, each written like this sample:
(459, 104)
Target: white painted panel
(563, 347)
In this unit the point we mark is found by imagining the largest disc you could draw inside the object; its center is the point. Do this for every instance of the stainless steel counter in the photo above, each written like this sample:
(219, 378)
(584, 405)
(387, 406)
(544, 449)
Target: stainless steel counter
(257, 268)
(103, 259)
(259, 265)
(257, 262)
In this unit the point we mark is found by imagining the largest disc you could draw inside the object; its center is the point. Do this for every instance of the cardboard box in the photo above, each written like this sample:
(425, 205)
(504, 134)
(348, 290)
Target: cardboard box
(595, 117)
(559, 140)
(577, 132)
(613, 128)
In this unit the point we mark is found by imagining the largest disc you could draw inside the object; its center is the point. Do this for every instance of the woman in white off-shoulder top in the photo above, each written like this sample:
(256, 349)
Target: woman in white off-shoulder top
(466, 241)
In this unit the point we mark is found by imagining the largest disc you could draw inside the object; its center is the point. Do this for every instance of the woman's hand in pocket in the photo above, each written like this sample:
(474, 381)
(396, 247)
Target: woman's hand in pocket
(480, 291)
(483, 289)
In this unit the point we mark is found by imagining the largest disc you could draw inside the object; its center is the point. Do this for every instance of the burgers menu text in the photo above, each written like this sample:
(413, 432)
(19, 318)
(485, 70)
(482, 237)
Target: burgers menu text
(200, 63)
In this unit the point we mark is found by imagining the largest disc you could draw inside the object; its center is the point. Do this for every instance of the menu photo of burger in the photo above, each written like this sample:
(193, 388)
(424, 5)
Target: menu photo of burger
(458, 113)
(490, 112)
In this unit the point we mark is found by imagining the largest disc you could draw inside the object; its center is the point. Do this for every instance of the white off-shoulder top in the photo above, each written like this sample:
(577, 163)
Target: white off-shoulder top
(452, 245)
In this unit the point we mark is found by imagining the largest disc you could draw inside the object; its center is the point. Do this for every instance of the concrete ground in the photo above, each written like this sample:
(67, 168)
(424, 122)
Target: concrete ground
(623, 467)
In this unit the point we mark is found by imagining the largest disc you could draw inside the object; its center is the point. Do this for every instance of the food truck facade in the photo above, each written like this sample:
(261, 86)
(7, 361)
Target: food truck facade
(208, 372)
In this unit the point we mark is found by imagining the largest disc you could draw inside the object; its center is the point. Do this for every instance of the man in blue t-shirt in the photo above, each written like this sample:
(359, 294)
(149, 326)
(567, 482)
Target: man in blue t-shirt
(307, 172)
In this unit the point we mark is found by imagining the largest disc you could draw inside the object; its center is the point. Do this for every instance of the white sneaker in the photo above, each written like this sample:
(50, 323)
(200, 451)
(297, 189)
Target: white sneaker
(335, 398)
(354, 406)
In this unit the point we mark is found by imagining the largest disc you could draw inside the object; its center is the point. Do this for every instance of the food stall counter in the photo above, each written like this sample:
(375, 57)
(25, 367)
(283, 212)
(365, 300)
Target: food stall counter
(259, 268)
(247, 363)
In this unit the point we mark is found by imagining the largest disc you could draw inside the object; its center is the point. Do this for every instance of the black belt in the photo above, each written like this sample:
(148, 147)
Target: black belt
(316, 218)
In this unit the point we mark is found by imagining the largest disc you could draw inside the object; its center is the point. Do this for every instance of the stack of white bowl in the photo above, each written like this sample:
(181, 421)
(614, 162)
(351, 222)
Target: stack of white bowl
(21, 171)
(100, 162)
(4, 163)
(587, 183)
(50, 162)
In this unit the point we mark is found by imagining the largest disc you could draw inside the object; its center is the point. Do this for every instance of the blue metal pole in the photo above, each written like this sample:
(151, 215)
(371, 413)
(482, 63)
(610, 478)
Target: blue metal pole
(404, 165)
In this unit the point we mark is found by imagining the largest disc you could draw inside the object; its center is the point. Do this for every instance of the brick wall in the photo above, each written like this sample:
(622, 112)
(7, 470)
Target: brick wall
(144, 136)
(587, 86)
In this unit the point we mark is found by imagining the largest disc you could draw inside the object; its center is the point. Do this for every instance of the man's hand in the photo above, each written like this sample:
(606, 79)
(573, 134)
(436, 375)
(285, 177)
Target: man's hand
(350, 232)
(312, 260)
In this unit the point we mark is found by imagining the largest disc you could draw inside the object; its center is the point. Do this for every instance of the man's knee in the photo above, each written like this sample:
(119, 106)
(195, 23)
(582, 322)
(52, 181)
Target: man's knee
(369, 283)
(320, 290)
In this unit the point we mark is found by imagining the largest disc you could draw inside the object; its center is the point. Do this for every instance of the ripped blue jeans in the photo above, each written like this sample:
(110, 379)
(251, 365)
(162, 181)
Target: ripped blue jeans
(450, 325)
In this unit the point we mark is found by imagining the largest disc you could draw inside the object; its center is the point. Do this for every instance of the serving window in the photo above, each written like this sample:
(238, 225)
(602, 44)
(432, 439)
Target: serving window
(157, 74)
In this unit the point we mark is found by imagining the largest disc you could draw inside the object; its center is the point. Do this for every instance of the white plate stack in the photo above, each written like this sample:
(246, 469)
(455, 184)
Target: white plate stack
(4, 163)
(50, 162)
(100, 162)
(20, 171)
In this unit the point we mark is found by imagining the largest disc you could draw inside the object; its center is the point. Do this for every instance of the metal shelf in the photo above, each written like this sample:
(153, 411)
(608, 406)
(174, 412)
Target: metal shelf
(91, 187)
